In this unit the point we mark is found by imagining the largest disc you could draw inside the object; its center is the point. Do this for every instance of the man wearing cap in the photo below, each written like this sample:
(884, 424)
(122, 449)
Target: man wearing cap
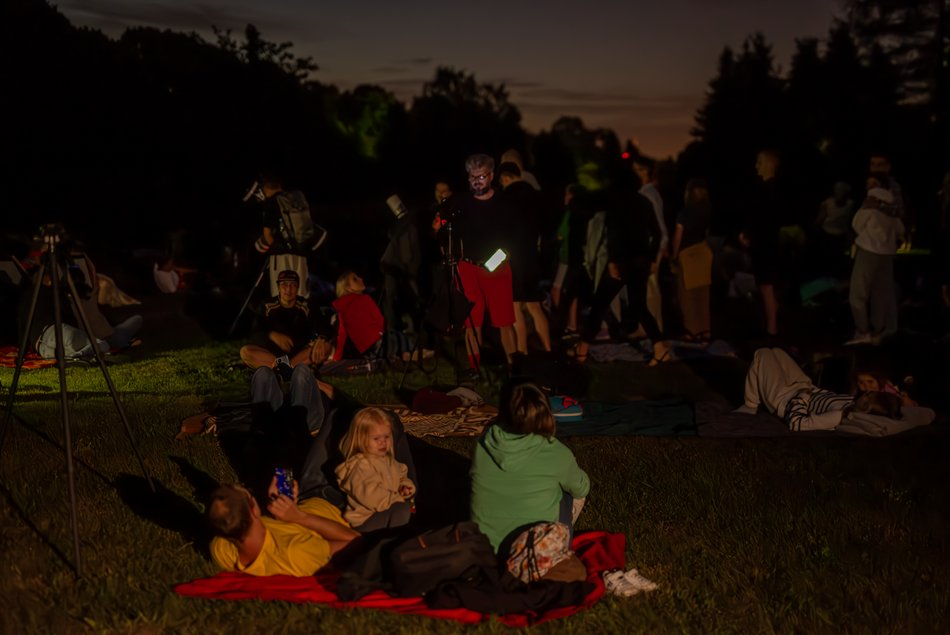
(287, 331)
(482, 227)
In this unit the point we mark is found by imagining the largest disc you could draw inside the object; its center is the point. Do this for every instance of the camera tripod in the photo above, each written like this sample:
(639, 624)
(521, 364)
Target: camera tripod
(55, 263)
(448, 310)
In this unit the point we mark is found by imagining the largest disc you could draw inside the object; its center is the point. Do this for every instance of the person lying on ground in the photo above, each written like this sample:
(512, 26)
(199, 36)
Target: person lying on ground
(76, 343)
(287, 332)
(378, 488)
(299, 539)
(775, 381)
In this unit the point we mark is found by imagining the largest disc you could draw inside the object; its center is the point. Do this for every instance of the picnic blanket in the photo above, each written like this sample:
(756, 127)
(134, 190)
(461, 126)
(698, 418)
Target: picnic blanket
(464, 421)
(30, 361)
(660, 418)
(599, 551)
(763, 424)
(642, 350)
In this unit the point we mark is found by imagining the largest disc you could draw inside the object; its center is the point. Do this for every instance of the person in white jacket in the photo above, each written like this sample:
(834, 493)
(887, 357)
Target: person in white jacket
(873, 292)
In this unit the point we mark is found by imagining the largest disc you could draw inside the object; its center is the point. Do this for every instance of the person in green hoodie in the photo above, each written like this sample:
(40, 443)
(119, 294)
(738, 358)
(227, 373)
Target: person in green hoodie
(521, 474)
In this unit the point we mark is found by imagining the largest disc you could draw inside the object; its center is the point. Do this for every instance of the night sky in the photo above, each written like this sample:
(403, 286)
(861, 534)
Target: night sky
(639, 68)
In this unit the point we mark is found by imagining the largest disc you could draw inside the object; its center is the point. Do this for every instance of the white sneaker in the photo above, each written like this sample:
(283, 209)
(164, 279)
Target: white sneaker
(633, 576)
(859, 339)
(616, 583)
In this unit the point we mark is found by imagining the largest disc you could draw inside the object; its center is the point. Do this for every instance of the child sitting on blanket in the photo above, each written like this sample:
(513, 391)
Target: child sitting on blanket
(360, 322)
(377, 487)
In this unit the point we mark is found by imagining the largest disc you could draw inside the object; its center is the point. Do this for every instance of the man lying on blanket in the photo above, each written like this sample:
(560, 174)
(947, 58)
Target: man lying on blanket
(296, 541)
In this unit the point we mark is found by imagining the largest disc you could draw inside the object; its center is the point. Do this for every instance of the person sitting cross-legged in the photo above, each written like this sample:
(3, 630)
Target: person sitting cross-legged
(287, 330)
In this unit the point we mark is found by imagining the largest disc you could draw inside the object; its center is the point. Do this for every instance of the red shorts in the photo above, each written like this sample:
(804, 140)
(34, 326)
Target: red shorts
(491, 289)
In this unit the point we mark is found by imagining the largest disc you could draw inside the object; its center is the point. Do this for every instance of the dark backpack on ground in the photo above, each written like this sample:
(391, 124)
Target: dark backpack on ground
(455, 552)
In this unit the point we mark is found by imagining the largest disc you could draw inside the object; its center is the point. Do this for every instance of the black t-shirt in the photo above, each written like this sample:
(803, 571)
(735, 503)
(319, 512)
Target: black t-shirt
(632, 229)
(483, 226)
(527, 206)
(292, 321)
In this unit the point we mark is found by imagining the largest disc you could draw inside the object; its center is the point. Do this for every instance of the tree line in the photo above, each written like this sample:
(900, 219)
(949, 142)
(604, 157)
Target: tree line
(158, 130)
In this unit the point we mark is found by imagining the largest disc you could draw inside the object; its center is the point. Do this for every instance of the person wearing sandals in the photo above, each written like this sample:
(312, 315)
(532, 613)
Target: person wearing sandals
(692, 260)
(633, 242)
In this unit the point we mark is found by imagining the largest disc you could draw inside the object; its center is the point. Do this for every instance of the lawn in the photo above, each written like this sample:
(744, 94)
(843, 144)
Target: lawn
(752, 535)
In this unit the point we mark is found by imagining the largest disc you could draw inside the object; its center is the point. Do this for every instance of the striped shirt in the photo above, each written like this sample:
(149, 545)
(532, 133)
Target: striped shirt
(802, 411)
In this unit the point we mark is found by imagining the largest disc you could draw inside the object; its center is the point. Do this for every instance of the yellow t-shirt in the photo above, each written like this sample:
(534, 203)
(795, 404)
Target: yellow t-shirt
(289, 548)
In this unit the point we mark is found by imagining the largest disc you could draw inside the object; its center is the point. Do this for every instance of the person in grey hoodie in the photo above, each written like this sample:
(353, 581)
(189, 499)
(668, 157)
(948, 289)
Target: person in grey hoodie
(520, 473)
(873, 291)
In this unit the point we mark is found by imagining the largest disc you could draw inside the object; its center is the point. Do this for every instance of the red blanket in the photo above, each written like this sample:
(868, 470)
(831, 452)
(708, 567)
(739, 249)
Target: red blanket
(30, 360)
(598, 550)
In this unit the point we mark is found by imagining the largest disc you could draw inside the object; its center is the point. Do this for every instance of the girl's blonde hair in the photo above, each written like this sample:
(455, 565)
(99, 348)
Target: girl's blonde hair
(354, 441)
(343, 284)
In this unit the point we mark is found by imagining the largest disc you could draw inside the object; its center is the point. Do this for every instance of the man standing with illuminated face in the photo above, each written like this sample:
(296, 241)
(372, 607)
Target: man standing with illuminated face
(481, 229)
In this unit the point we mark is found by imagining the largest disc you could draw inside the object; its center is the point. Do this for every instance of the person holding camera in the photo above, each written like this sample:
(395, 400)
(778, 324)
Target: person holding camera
(481, 228)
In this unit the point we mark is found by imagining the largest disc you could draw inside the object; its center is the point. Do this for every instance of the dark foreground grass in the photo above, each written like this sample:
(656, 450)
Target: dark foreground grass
(779, 535)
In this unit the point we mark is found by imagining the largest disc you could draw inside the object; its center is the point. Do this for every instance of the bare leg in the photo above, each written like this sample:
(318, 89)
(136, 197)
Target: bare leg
(572, 315)
(257, 356)
(520, 328)
(508, 340)
(541, 326)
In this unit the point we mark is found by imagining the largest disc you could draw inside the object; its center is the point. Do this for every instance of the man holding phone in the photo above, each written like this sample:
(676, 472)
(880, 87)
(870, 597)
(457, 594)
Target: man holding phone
(481, 226)
(299, 538)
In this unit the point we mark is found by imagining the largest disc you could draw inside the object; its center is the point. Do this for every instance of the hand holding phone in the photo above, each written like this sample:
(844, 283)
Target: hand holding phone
(285, 481)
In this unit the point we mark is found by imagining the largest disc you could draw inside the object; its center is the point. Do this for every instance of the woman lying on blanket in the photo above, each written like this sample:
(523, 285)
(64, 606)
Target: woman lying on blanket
(520, 473)
(775, 381)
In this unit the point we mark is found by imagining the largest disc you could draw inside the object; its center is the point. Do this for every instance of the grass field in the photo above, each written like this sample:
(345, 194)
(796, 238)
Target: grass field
(761, 535)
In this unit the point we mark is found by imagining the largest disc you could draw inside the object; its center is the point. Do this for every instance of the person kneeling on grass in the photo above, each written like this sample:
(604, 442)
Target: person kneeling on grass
(360, 322)
(298, 540)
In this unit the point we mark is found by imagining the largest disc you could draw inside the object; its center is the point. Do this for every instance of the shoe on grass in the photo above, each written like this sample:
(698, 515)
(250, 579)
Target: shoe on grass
(616, 583)
(633, 577)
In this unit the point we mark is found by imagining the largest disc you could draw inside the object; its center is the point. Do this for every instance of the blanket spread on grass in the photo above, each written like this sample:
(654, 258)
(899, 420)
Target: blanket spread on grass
(658, 418)
(763, 424)
(599, 551)
(464, 421)
(651, 418)
(30, 361)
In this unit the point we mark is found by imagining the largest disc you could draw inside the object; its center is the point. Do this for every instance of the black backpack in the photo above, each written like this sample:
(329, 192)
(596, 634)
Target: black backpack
(455, 552)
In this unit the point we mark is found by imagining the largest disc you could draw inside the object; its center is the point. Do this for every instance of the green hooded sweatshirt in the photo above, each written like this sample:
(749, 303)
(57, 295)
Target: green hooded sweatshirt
(519, 479)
